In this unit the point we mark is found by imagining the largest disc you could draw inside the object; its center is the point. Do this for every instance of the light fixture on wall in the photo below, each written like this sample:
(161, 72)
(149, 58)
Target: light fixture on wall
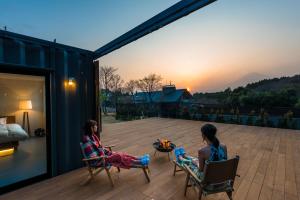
(25, 105)
(70, 83)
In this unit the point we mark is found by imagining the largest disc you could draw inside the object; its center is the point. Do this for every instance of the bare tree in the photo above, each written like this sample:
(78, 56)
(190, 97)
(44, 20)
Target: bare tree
(131, 87)
(116, 86)
(106, 76)
(149, 84)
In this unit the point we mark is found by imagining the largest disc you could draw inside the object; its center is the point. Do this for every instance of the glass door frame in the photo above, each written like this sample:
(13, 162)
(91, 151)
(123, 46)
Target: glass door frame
(46, 73)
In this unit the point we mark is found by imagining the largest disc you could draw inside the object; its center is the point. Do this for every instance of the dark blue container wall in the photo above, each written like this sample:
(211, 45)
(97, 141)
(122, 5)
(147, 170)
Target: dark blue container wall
(70, 107)
(74, 107)
(12, 52)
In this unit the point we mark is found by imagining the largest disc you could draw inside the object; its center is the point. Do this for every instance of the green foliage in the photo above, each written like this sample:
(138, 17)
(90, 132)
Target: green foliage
(287, 121)
(220, 115)
(270, 83)
(102, 97)
(263, 119)
(278, 92)
(204, 116)
(184, 113)
(250, 120)
(193, 112)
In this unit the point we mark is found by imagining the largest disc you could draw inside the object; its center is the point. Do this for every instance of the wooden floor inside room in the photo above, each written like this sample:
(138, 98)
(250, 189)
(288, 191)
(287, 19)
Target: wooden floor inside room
(269, 168)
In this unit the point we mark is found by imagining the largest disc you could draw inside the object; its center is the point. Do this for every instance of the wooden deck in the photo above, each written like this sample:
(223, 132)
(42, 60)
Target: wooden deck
(269, 166)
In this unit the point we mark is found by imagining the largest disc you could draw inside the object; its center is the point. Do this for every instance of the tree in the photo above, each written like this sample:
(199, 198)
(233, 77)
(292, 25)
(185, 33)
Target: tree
(106, 75)
(149, 84)
(131, 87)
(115, 86)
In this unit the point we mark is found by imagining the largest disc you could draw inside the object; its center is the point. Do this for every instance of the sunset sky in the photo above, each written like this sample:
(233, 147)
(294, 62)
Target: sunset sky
(208, 50)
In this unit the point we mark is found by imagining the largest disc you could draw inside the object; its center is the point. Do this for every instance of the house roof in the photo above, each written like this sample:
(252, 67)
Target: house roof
(174, 96)
(161, 97)
(144, 97)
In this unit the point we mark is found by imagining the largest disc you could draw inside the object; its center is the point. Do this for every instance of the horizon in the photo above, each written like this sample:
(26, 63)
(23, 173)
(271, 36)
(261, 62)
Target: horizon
(208, 50)
(221, 90)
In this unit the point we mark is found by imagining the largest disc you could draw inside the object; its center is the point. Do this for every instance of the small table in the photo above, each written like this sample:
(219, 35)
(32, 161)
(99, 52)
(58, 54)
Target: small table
(157, 147)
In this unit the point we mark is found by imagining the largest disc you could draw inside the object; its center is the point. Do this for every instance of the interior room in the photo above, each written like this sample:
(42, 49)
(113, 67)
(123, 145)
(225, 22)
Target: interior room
(23, 149)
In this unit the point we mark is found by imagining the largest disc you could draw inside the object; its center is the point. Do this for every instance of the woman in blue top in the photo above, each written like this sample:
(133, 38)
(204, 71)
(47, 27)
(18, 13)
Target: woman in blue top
(214, 150)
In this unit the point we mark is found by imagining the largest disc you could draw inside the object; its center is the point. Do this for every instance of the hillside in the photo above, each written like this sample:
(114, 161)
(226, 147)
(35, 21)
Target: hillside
(275, 92)
(276, 84)
(248, 78)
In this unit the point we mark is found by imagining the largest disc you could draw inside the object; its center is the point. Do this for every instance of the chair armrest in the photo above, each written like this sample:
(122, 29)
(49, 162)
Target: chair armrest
(109, 146)
(94, 158)
(192, 173)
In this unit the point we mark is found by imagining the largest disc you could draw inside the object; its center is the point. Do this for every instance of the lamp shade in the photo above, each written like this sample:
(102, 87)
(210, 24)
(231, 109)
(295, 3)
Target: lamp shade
(25, 105)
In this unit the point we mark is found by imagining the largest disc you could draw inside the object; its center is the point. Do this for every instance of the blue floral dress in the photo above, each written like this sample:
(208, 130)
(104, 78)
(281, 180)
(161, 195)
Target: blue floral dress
(216, 154)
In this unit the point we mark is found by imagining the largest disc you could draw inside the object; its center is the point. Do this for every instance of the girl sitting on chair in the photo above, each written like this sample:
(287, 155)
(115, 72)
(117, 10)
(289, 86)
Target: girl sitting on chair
(213, 151)
(93, 148)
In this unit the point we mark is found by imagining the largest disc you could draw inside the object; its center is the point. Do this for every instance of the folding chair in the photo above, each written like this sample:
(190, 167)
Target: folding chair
(218, 176)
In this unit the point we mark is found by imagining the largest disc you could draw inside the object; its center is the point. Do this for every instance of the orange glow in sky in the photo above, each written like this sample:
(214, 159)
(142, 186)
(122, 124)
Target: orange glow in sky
(208, 50)
(212, 49)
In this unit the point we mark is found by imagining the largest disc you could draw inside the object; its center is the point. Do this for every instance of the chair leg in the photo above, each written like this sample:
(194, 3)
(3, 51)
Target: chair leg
(109, 177)
(146, 174)
(89, 178)
(91, 173)
(200, 193)
(186, 183)
(174, 169)
(229, 194)
(119, 169)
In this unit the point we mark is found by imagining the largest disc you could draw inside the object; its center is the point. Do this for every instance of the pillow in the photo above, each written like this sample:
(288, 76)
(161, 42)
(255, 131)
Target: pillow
(2, 120)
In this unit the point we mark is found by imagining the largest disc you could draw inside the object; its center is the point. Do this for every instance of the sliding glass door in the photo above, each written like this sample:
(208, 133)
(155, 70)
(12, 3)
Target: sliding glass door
(23, 128)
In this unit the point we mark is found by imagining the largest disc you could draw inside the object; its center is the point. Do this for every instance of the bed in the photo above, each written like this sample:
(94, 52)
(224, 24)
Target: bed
(11, 132)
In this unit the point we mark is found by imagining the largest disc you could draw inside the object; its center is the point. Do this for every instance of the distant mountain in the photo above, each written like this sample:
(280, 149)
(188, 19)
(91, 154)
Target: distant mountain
(275, 92)
(248, 78)
(276, 84)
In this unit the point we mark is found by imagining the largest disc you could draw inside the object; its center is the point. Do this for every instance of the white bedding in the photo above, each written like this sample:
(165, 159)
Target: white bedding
(12, 132)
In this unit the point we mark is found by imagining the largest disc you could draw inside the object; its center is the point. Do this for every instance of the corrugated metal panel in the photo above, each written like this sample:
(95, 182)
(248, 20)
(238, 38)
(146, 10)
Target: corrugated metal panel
(69, 108)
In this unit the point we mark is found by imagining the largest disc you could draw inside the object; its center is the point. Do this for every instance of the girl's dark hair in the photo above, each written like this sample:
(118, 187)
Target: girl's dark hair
(209, 131)
(87, 127)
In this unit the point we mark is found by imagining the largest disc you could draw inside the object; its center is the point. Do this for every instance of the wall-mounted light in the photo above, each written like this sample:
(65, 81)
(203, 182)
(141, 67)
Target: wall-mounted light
(70, 83)
(6, 152)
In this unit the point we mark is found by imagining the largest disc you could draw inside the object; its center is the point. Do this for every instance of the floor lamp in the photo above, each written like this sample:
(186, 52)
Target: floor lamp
(25, 105)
